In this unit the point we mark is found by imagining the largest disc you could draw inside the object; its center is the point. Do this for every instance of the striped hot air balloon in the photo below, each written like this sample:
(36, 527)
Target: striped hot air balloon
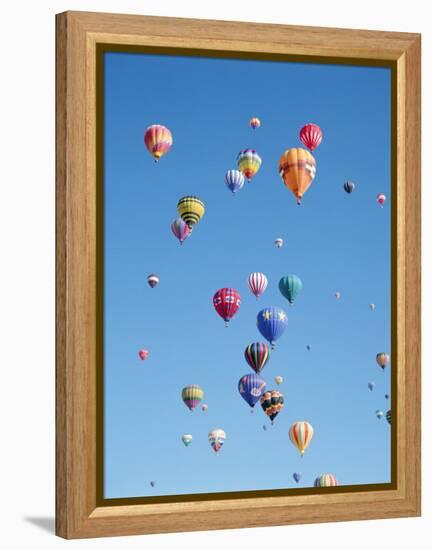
(248, 162)
(326, 480)
(301, 434)
(158, 140)
(388, 416)
(279, 242)
(254, 123)
(311, 136)
(153, 280)
(297, 168)
(257, 283)
(382, 359)
(192, 396)
(381, 198)
(191, 209)
(226, 302)
(180, 230)
(217, 439)
(349, 187)
(257, 355)
(234, 180)
(272, 403)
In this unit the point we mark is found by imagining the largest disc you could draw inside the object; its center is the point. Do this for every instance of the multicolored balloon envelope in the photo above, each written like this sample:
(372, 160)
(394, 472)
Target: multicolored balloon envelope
(257, 355)
(272, 402)
(192, 396)
(272, 322)
(180, 230)
(158, 140)
(251, 387)
(248, 162)
(297, 168)
(187, 439)
(381, 198)
(279, 242)
(191, 209)
(226, 302)
(326, 480)
(234, 180)
(290, 286)
(257, 283)
(254, 123)
(217, 439)
(383, 359)
(153, 280)
(311, 136)
(301, 434)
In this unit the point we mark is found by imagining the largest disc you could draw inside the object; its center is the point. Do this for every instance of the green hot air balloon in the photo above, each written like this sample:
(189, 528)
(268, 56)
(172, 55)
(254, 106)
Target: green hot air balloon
(290, 286)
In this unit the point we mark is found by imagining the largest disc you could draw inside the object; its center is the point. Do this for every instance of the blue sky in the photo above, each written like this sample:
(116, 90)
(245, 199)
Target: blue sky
(333, 242)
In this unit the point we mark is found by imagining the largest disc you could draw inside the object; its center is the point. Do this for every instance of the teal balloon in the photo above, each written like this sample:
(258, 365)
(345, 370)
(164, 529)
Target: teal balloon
(290, 286)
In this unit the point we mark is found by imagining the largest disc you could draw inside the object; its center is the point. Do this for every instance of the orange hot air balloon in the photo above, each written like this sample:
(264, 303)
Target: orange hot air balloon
(297, 168)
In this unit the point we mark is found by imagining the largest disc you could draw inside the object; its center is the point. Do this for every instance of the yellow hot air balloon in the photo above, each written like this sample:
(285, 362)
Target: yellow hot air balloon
(297, 168)
(191, 210)
(301, 434)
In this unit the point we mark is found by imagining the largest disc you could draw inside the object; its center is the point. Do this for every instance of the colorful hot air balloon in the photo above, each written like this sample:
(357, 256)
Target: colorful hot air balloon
(257, 283)
(272, 322)
(379, 414)
(217, 439)
(326, 480)
(349, 187)
(143, 354)
(187, 439)
(158, 140)
(297, 477)
(297, 168)
(254, 123)
(251, 387)
(311, 136)
(153, 280)
(301, 434)
(371, 385)
(248, 162)
(372, 307)
(257, 355)
(226, 302)
(192, 396)
(388, 416)
(337, 295)
(381, 198)
(279, 242)
(272, 403)
(383, 359)
(290, 286)
(204, 407)
(234, 180)
(278, 380)
(191, 210)
(180, 230)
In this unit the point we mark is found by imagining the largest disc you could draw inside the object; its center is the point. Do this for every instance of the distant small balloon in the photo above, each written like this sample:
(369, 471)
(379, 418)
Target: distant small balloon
(153, 280)
(255, 123)
(278, 380)
(143, 354)
(264, 427)
(217, 439)
(388, 416)
(326, 480)
(279, 242)
(204, 407)
(234, 180)
(371, 385)
(349, 187)
(387, 396)
(383, 359)
(381, 198)
(337, 295)
(187, 439)
(152, 483)
(297, 477)
(379, 414)
(308, 347)
(372, 307)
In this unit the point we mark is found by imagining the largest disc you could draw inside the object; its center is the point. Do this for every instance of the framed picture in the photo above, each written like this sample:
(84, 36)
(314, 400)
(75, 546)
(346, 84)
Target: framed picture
(261, 177)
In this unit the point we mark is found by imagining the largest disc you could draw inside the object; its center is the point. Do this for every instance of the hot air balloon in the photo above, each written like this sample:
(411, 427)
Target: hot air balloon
(337, 295)
(297, 168)
(180, 230)
(158, 140)
(204, 407)
(217, 439)
(191, 210)
(372, 307)
(254, 123)
(272, 403)
(226, 302)
(290, 286)
(386, 396)
(381, 198)
(248, 162)
(257, 355)
(379, 414)
(388, 416)
(301, 434)
(308, 347)
(279, 242)
(143, 354)
(152, 483)
(349, 187)
(383, 359)
(297, 477)
(278, 380)
(251, 387)
(311, 136)
(153, 280)
(272, 322)
(192, 396)
(234, 180)
(264, 427)
(257, 283)
(371, 385)
(187, 439)
(326, 480)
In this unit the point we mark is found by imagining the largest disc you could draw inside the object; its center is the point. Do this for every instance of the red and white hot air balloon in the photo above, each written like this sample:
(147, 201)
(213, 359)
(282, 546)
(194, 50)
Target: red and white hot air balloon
(381, 198)
(143, 354)
(311, 136)
(226, 302)
(257, 283)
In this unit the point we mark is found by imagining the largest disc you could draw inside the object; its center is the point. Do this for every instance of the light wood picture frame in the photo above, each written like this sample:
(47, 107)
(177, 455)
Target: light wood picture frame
(81, 40)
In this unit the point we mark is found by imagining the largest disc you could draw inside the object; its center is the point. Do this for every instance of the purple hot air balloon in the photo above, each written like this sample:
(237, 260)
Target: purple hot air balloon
(251, 387)
(180, 230)
(297, 477)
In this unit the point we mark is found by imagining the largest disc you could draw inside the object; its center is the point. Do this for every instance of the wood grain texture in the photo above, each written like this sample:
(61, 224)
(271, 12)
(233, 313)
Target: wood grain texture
(78, 35)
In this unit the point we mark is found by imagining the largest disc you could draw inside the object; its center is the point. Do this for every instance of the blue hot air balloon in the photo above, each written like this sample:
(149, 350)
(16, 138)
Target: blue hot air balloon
(290, 286)
(271, 322)
(371, 385)
(251, 387)
(297, 477)
(234, 180)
